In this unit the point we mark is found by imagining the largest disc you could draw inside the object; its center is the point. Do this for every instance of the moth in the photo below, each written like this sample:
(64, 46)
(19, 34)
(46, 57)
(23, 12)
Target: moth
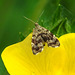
(40, 36)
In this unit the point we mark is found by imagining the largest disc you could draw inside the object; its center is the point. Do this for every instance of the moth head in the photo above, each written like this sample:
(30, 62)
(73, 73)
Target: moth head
(36, 24)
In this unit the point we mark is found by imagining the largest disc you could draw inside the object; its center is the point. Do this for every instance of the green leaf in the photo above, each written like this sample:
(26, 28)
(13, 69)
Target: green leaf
(21, 36)
(3, 70)
(68, 26)
(61, 29)
(73, 26)
(57, 14)
(59, 22)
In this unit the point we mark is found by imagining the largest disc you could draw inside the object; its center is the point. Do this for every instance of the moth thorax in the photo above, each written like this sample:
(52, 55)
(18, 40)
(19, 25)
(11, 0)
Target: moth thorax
(36, 24)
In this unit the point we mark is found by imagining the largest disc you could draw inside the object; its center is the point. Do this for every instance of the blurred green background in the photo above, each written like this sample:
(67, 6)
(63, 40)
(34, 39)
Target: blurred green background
(12, 21)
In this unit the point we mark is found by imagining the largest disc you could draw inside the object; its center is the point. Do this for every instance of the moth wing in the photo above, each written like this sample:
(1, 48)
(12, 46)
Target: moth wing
(37, 42)
(53, 41)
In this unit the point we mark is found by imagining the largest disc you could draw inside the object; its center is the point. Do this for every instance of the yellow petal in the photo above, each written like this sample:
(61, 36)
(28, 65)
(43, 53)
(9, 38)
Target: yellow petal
(68, 41)
(19, 59)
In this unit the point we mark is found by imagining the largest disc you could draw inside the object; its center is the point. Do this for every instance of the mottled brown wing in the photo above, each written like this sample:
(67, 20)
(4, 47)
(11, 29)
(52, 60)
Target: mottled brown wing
(50, 39)
(53, 41)
(37, 42)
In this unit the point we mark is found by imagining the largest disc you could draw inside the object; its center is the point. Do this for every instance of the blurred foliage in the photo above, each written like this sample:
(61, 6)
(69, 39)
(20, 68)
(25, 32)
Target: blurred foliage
(70, 5)
(58, 18)
(58, 22)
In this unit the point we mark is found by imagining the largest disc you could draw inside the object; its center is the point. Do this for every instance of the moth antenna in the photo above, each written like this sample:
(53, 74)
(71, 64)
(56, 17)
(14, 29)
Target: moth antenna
(29, 19)
(40, 16)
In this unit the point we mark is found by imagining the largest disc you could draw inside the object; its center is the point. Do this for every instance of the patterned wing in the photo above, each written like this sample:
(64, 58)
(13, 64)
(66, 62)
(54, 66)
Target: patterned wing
(48, 37)
(37, 42)
(52, 41)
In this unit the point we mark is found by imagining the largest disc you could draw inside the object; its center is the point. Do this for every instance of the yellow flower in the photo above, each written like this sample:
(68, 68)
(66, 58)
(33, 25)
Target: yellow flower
(19, 59)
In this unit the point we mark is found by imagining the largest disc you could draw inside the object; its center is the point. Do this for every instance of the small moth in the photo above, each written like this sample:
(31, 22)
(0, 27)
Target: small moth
(40, 36)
